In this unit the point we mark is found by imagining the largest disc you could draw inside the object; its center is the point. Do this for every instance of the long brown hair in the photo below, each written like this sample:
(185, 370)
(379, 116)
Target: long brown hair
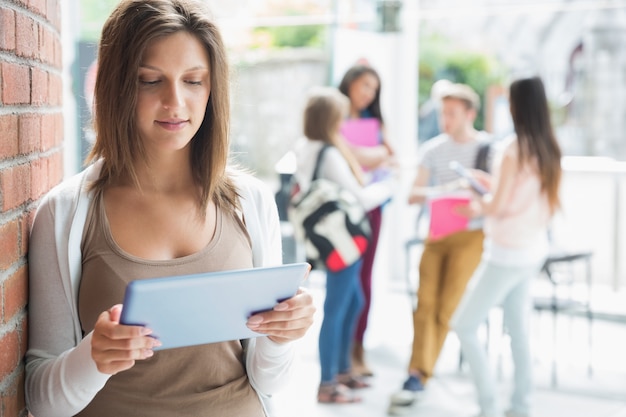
(355, 72)
(130, 29)
(535, 136)
(326, 107)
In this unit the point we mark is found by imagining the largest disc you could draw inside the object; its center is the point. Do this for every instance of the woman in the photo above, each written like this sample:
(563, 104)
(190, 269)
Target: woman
(158, 200)
(524, 196)
(325, 109)
(361, 84)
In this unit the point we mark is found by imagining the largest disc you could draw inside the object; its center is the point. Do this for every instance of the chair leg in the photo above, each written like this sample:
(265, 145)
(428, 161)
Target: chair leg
(589, 320)
(554, 342)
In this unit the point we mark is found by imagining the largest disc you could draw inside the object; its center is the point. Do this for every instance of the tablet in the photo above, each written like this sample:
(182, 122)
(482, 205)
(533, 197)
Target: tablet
(211, 307)
(463, 172)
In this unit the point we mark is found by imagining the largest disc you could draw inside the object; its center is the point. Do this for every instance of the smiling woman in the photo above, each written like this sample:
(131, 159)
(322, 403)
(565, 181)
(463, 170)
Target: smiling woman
(157, 200)
(174, 89)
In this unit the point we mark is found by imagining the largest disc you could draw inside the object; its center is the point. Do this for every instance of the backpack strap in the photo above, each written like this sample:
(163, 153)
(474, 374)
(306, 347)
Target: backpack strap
(318, 162)
(481, 157)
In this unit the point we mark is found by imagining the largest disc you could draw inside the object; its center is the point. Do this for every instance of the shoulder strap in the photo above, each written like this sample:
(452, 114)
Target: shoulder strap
(481, 157)
(319, 161)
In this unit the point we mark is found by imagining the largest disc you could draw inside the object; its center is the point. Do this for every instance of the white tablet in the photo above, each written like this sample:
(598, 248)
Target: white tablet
(211, 307)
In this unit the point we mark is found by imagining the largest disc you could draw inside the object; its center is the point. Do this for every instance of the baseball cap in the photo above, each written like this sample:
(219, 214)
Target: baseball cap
(461, 92)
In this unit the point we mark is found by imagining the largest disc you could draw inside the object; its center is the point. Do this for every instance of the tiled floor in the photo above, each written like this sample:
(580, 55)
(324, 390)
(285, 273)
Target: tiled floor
(451, 393)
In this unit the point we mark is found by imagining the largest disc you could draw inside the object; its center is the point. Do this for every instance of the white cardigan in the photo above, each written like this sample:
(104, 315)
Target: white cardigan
(61, 376)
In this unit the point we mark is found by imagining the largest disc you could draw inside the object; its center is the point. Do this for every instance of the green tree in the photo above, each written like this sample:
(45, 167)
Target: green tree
(441, 59)
(93, 14)
(295, 36)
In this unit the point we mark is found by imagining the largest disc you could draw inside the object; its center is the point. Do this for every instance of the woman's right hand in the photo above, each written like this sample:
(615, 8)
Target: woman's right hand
(115, 347)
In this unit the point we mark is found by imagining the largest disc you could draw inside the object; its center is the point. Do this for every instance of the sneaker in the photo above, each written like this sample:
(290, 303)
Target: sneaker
(413, 384)
(410, 392)
(399, 410)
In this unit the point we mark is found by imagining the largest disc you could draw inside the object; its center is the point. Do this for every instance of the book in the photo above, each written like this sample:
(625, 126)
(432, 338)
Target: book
(443, 218)
(361, 132)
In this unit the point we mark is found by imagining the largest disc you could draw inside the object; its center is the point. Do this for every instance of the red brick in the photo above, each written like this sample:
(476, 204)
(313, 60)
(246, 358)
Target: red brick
(38, 6)
(53, 12)
(8, 127)
(29, 133)
(55, 90)
(26, 221)
(55, 169)
(59, 129)
(39, 87)
(15, 83)
(47, 131)
(23, 334)
(27, 37)
(9, 353)
(7, 34)
(57, 52)
(15, 186)
(15, 292)
(38, 178)
(9, 241)
(29, 217)
(46, 45)
(12, 399)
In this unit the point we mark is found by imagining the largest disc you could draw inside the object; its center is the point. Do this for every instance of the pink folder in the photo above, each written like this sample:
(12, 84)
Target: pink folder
(443, 218)
(361, 132)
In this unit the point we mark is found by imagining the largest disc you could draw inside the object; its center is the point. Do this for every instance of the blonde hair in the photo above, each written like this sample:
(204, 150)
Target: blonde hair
(126, 35)
(326, 107)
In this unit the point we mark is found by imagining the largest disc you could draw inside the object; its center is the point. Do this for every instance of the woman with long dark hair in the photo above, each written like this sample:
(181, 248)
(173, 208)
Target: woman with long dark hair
(361, 84)
(524, 196)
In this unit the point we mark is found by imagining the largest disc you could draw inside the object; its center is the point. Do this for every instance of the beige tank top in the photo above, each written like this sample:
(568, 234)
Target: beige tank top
(204, 380)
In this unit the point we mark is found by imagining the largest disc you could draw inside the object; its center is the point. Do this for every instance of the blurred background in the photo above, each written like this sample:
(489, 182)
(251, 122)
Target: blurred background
(281, 48)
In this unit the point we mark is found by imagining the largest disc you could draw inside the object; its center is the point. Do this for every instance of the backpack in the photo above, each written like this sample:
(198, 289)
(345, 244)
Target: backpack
(330, 221)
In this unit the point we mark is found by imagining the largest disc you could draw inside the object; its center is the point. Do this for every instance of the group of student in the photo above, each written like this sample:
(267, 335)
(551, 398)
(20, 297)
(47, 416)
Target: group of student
(160, 197)
(501, 248)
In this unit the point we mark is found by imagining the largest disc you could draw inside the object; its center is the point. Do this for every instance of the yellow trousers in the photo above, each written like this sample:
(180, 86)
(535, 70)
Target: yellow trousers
(446, 266)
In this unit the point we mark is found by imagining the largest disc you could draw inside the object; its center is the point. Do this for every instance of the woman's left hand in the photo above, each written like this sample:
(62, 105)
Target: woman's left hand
(471, 210)
(288, 320)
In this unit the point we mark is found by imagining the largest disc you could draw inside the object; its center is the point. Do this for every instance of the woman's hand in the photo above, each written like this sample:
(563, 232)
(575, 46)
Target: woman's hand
(288, 321)
(484, 178)
(471, 210)
(115, 347)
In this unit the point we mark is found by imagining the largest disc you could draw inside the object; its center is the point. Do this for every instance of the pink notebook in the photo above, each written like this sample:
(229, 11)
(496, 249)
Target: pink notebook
(443, 218)
(361, 132)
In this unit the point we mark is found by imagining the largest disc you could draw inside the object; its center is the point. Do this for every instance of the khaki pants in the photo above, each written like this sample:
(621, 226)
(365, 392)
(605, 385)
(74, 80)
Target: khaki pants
(446, 266)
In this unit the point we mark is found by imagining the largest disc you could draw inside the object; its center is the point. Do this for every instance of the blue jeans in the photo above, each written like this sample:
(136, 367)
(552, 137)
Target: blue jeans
(495, 285)
(343, 303)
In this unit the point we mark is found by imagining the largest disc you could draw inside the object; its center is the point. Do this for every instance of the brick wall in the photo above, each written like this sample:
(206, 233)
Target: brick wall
(31, 133)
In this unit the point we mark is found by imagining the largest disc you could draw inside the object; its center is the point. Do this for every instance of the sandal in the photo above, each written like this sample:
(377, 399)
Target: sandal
(336, 394)
(352, 381)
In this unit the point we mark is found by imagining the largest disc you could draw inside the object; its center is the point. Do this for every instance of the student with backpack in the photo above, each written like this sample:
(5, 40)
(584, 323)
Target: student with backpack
(447, 262)
(326, 107)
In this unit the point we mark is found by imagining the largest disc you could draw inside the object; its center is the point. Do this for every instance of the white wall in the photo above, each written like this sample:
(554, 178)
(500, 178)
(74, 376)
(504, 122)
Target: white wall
(593, 195)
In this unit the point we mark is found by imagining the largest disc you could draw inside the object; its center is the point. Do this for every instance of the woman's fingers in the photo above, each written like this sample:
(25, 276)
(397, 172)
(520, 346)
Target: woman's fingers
(116, 347)
(289, 320)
